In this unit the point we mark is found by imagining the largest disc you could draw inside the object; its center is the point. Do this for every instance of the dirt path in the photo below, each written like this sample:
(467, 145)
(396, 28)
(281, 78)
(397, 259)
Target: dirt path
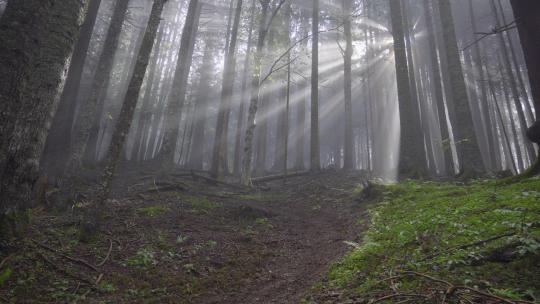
(180, 240)
(311, 218)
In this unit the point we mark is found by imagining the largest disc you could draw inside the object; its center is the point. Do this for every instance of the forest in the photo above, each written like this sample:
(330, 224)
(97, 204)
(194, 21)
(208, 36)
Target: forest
(270, 151)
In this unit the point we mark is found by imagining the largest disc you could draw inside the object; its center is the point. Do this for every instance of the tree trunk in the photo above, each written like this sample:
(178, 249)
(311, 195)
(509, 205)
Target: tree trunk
(177, 96)
(196, 157)
(125, 119)
(254, 100)
(83, 126)
(241, 112)
(348, 152)
(36, 44)
(411, 158)
(219, 157)
(315, 154)
(145, 114)
(58, 141)
(526, 12)
(466, 144)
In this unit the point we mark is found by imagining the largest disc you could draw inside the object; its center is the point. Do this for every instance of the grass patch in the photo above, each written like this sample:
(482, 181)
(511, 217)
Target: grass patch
(152, 211)
(483, 235)
(201, 204)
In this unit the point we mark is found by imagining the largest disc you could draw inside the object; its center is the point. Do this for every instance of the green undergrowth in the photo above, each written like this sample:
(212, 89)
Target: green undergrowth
(482, 235)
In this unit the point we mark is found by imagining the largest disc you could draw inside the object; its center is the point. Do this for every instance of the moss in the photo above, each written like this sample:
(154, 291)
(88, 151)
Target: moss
(152, 211)
(431, 228)
(201, 204)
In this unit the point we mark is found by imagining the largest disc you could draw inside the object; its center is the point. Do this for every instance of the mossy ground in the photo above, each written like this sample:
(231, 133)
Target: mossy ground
(484, 235)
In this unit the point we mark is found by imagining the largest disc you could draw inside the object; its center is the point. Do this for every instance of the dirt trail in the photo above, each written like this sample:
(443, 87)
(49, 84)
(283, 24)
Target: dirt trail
(185, 240)
(310, 221)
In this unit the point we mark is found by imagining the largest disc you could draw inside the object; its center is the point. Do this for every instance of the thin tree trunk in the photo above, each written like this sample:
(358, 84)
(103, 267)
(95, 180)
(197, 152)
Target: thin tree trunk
(241, 112)
(177, 96)
(83, 126)
(315, 154)
(219, 157)
(254, 100)
(348, 151)
(123, 124)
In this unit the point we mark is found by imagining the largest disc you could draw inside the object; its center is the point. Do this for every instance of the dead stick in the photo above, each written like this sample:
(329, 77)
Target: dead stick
(108, 254)
(398, 295)
(79, 261)
(63, 271)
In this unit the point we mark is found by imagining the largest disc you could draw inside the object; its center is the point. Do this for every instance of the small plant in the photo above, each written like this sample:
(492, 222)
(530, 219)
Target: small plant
(180, 239)
(152, 211)
(202, 204)
(144, 258)
(107, 287)
(263, 222)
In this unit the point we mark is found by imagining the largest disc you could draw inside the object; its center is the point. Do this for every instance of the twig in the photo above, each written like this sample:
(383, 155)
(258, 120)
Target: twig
(398, 295)
(108, 254)
(75, 260)
(4, 261)
(63, 271)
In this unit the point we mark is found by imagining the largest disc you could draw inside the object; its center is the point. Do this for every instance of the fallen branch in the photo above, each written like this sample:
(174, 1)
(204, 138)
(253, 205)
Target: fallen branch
(107, 256)
(399, 295)
(75, 260)
(474, 244)
(65, 272)
(269, 178)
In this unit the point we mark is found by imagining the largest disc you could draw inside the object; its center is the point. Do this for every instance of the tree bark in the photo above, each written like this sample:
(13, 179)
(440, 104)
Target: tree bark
(36, 45)
(411, 148)
(241, 112)
(219, 157)
(466, 144)
(125, 118)
(177, 96)
(348, 151)
(315, 154)
(254, 100)
(83, 127)
(58, 143)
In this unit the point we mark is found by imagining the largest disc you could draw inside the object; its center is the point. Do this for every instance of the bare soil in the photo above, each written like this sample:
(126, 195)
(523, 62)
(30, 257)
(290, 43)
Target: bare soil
(184, 239)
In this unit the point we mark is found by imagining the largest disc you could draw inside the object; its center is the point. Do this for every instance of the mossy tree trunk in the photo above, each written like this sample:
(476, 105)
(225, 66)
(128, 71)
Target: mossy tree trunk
(37, 39)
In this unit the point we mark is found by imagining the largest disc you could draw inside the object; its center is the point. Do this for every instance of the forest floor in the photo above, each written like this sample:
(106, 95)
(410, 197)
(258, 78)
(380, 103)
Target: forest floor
(186, 239)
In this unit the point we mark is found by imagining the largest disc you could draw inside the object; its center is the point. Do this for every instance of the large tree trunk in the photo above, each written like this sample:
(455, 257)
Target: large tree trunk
(219, 157)
(348, 153)
(36, 45)
(411, 159)
(83, 126)
(125, 118)
(177, 96)
(58, 142)
(315, 154)
(526, 13)
(466, 143)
